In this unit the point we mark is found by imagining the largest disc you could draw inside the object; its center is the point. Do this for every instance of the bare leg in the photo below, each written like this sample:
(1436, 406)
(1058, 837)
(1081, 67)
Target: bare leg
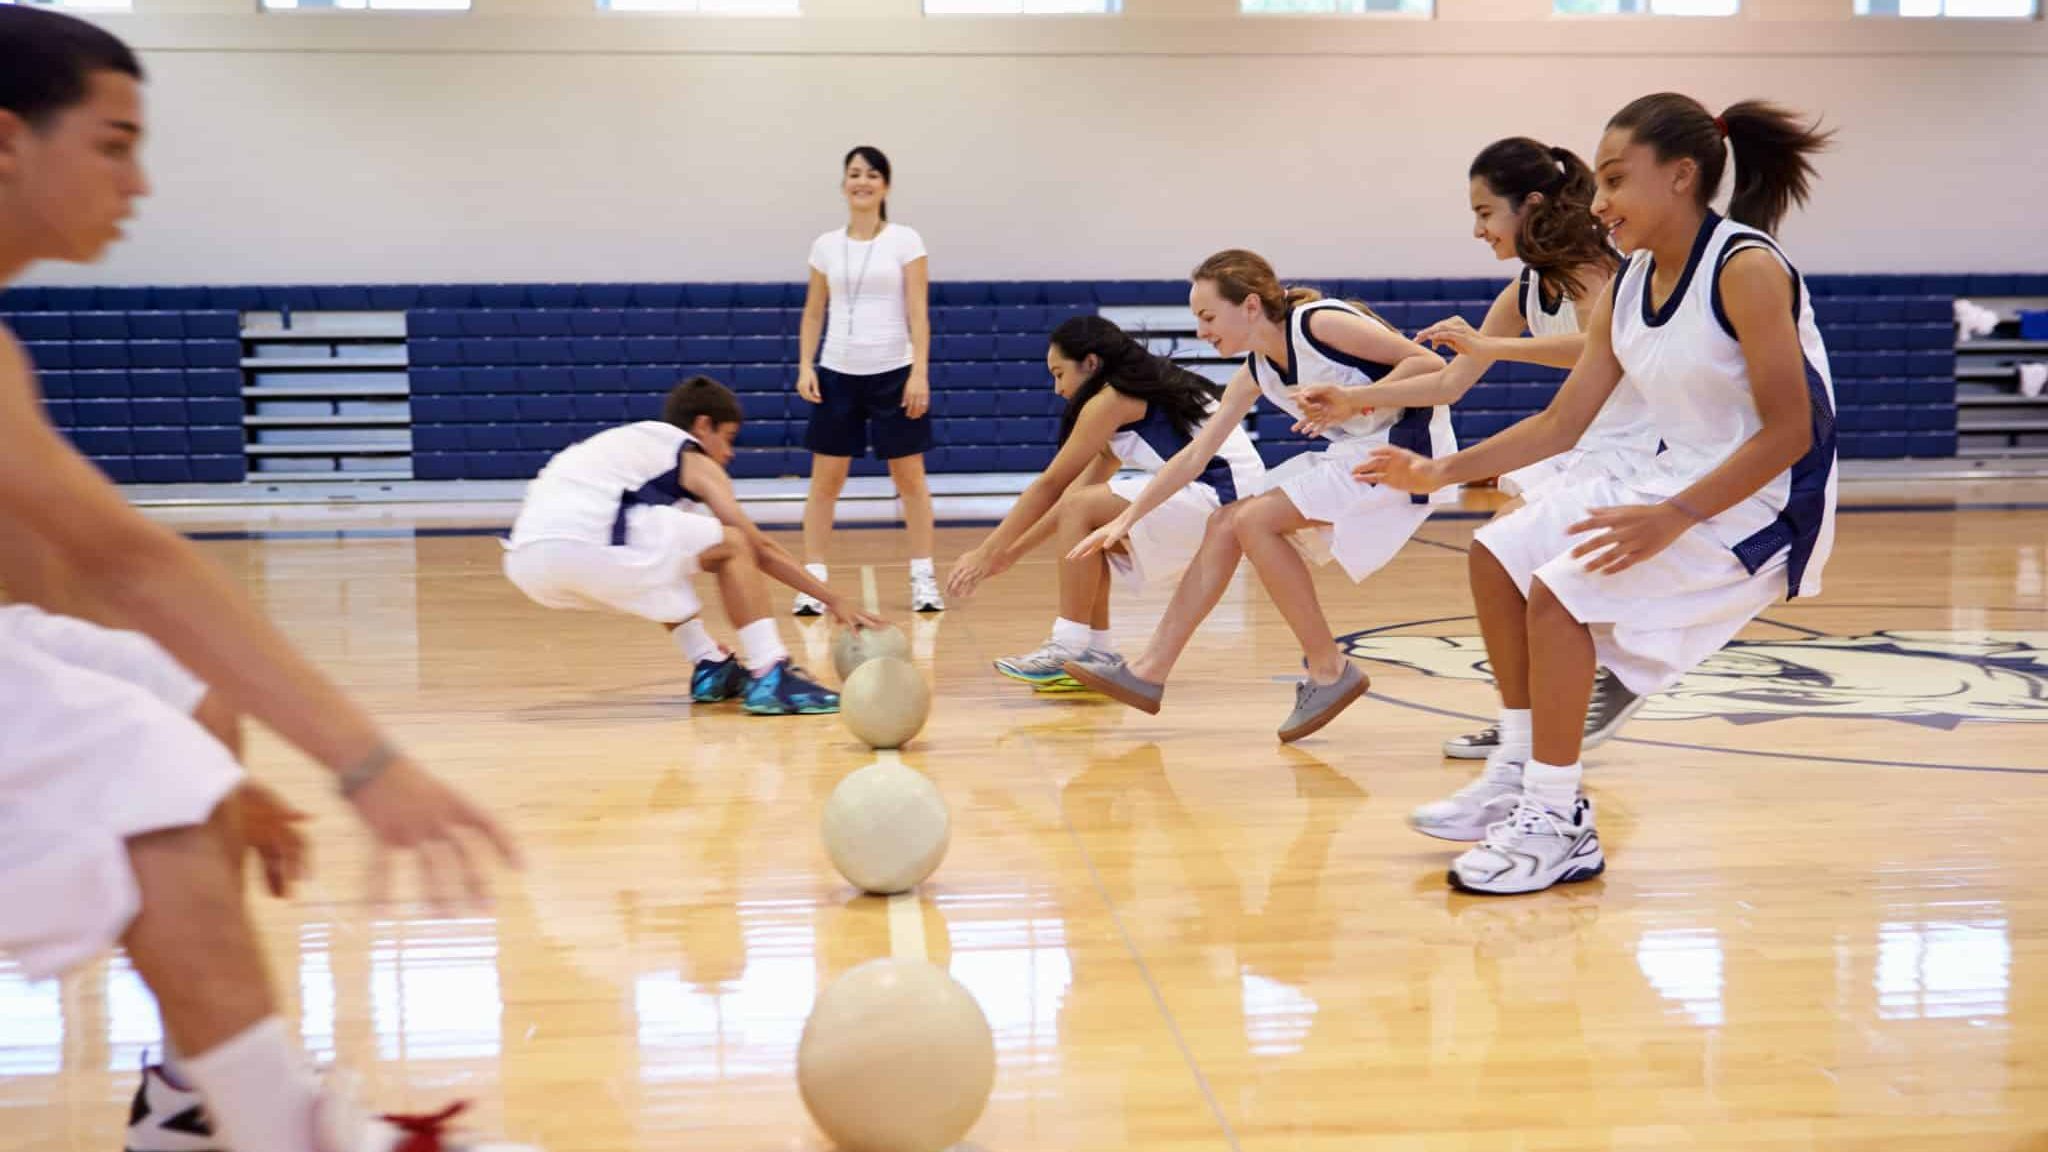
(1504, 620)
(916, 497)
(1262, 530)
(828, 478)
(1084, 584)
(1560, 673)
(1196, 596)
(741, 586)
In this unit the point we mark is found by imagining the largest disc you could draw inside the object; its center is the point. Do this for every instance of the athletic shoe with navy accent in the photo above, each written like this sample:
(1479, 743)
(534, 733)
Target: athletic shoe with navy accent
(715, 680)
(1533, 849)
(167, 1118)
(786, 690)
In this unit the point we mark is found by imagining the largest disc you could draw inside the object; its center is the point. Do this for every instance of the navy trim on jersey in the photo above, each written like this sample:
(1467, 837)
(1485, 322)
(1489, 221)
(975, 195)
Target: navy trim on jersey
(664, 489)
(1372, 368)
(1522, 294)
(1661, 316)
(1532, 285)
(1411, 431)
(1741, 244)
(1798, 527)
(1156, 429)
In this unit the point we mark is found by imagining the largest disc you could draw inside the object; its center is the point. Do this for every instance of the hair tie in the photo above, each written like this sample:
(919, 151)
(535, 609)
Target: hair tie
(1721, 126)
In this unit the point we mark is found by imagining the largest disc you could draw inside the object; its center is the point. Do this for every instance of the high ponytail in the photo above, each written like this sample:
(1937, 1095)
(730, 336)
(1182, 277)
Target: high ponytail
(1771, 146)
(1552, 189)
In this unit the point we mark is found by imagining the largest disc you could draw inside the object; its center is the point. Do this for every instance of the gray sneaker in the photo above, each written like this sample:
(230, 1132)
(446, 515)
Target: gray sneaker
(1110, 676)
(1611, 706)
(1041, 666)
(1317, 704)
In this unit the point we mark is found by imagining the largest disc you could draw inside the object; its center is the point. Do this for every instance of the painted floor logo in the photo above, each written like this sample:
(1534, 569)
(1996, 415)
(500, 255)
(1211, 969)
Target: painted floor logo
(1931, 679)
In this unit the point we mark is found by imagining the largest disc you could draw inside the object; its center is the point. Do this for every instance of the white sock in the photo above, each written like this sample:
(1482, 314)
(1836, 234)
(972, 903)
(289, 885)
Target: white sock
(1517, 729)
(761, 646)
(1555, 787)
(1070, 634)
(696, 642)
(818, 572)
(1098, 639)
(259, 1090)
(172, 1066)
(920, 566)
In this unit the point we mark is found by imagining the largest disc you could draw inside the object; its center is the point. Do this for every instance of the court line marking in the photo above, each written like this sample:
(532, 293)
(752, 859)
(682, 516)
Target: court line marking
(906, 912)
(870, 597)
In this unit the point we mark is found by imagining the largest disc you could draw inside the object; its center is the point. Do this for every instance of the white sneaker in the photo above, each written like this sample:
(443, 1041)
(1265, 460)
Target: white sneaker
(1466, 814)
(1531, 850)
(167, 1118)
(807, 605)
(1041, 666)
(924, 593)
(339, 1125)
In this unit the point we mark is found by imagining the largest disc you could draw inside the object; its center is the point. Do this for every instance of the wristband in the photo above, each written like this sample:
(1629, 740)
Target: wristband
(366, 771)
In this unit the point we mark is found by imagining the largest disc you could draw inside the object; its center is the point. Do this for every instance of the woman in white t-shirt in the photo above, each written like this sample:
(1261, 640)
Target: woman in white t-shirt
(870, 385)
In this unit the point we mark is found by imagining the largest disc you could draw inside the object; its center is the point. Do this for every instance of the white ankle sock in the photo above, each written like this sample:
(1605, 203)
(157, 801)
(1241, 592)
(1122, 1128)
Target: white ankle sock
(172, 1066)
(1070, 634)
(1098, 639)
(696, 642)
(818, 572)
(259, 1090)
(1516, 730)
(761, 646)
(1554, 786)
(920, 566)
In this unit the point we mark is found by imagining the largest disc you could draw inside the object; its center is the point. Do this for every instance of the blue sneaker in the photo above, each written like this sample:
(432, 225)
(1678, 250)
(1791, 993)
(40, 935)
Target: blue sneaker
(716, 680)
(784, 690)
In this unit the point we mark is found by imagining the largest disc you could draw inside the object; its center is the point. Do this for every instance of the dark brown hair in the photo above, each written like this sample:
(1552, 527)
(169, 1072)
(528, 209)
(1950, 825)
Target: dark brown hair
(1558, 235)
(700, 396)
(1770, 145)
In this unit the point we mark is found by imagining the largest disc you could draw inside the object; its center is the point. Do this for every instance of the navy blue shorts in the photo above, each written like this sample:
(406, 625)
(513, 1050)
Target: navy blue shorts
(857, 409)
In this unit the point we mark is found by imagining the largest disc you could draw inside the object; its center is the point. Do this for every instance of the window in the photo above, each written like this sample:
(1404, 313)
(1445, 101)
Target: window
(1335, 7)
(2007, 9)
(1022, 7)
(708, 7)
(366, 5)
(79, 5)
(1648, 7)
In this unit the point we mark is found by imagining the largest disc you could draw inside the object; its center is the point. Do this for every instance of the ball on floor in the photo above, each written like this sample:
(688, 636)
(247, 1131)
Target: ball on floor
(884, 702)
(886, 828)
(896, 1057)
(852, 647)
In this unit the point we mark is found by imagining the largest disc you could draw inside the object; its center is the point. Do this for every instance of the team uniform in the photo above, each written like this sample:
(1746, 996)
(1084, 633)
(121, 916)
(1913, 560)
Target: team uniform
(1621, 437)
(1656, 620)
(608, 525)
(1161, 546)
(1363, 525)
(99, 745)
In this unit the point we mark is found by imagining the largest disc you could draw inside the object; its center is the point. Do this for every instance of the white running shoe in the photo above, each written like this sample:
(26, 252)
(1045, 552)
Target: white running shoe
(1531, 850)
(1466, 814)
(167, 1118)
(1041, 666)
(340, 1125)
(924, 593)
(807, 605)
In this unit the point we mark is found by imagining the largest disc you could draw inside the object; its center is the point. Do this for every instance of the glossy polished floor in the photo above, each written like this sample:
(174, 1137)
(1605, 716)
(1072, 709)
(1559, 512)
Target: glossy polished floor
(1821, 927)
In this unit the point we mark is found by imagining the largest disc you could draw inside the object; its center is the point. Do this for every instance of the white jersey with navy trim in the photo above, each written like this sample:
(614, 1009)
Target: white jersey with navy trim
(1685, 360)
(1623, 426)
(1148, 442)
(584, 491)
(1425, 431)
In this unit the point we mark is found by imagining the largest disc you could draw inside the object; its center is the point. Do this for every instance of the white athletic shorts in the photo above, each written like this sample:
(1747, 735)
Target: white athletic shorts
(1363, 525)
(1654, 622)
(1163, 544)
(647, 576)
(1574, 466)
(97, 745)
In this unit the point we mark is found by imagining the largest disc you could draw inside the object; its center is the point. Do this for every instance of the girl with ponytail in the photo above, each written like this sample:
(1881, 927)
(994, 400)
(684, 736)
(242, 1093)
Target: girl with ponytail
(1125, 407)
(1291, 339)
(1652, 573)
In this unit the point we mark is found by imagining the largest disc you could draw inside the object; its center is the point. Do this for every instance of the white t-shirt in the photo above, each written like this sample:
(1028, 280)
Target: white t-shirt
(866, 330)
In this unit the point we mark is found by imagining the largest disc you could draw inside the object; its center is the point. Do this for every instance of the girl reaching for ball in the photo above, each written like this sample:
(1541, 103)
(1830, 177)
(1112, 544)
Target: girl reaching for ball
(1290, 338)
(1125, 407)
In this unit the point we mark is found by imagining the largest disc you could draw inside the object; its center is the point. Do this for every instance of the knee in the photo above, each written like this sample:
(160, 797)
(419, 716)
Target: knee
(1222, 524)
(1545, 608)
(1251, 518)
(196, 868)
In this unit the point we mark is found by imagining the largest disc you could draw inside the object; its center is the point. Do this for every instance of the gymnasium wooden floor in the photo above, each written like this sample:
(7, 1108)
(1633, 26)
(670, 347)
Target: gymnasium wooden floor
(1821, 926)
